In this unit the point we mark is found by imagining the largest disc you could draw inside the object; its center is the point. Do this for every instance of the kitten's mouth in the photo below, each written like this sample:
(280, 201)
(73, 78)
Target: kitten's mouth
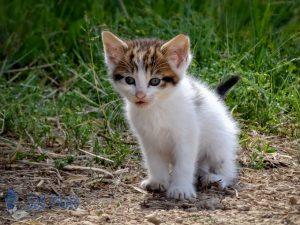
(140, 103)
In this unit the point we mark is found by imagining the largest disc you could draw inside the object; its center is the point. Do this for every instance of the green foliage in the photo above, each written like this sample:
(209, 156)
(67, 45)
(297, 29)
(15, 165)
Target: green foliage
(19, 155)
(67, 93)
(61, 163)
(257, 158)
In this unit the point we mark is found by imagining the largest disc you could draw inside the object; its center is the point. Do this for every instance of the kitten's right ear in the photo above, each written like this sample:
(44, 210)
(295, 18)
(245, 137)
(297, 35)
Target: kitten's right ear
(114, 49)
(177, 52)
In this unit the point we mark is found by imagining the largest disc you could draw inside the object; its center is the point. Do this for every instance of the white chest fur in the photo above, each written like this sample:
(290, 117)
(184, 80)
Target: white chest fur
(164, 123)
(192, 131)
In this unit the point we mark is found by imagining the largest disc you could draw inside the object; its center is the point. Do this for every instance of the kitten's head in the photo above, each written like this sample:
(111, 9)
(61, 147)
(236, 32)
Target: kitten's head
(146, 71)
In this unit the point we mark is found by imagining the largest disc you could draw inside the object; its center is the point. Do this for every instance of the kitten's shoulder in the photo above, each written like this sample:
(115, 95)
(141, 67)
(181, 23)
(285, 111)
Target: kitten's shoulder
(199, 87)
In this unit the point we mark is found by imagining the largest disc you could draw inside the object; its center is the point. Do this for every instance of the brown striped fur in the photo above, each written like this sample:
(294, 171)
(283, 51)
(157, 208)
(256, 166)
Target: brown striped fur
(145, 54)
(146, 71)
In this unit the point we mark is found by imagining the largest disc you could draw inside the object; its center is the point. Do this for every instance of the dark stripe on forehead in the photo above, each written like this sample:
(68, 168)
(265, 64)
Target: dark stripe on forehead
(145, 43)
(148, 53)
(153, 60)
(131, 56)
(135, 66)
(144, 59)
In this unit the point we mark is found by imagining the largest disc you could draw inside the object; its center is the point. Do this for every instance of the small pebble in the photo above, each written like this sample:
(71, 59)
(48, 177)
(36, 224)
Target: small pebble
(93, 218)
(243, 208)
(152, 218)
(179, 220)
(105, 217)
(79, 212)
(293, 201)
(87, 223)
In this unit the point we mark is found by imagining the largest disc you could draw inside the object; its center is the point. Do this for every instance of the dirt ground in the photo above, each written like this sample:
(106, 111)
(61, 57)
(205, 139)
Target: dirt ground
(270, 195)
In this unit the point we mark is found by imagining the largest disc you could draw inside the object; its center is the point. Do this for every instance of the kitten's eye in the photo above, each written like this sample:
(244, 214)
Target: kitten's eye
(118, 77)
(154, 81)
(130, 80)
(168, 79)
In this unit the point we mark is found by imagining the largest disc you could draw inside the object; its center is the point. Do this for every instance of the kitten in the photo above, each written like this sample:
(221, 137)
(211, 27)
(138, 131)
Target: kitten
(178, 120)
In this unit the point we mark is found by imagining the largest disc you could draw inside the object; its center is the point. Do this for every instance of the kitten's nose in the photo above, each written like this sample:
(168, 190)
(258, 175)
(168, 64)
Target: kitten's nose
(140, 95)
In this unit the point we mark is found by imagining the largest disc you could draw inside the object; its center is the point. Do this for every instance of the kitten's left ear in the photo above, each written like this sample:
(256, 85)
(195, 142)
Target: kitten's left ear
(177, 52)
(114, 49)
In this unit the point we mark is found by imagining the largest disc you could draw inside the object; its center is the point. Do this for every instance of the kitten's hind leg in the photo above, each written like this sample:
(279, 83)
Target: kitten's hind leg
(222, 171)
(158, 172)
(225, 172)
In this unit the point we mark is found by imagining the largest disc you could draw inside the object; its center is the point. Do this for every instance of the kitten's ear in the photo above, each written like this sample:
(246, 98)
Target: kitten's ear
(177, 52)
(114, 49)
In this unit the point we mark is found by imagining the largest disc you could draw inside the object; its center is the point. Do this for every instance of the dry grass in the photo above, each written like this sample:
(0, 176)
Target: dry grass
(265, 196)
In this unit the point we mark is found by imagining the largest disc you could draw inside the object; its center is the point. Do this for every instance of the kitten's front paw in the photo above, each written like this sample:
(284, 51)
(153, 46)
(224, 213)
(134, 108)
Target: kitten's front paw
(155, 186)
(181, 192)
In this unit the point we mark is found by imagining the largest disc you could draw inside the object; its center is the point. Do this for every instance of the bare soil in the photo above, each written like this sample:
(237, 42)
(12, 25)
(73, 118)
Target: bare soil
(270, 195)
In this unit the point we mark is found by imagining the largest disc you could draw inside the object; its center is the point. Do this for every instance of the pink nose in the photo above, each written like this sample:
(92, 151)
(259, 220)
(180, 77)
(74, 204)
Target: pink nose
(140, 94)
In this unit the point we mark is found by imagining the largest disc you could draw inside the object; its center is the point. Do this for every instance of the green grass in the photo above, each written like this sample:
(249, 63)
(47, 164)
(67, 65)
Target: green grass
(65, 98)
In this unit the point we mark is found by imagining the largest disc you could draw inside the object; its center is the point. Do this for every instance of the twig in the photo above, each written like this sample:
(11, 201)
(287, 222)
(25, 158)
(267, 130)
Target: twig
(94, 181)
(54, 155)
(236, 193)
(40, 183)
(138, 189)
(76, 179)
(123, 7)
(6, 218)
(97, 156)
(54, 188)
(121, 171)
(71, 167)
(58, 175)
(44, 164)
(8, 140)
(2, 123)
(28, 68)
(31, 138)
(34, 163)
(104, 136)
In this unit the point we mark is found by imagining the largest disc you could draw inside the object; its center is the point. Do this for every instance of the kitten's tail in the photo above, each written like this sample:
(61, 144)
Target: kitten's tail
(224, 87)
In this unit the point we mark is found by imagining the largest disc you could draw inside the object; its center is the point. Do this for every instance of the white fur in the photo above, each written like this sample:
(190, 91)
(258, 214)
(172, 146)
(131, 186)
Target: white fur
(195, 140)
(190, 138)
(186, 126)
